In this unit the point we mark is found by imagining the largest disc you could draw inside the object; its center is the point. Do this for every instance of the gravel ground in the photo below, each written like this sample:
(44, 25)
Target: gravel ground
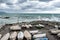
(50, 37)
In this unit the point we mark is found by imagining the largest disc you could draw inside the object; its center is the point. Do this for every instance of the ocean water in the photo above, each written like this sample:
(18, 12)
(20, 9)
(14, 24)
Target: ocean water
(26, 17)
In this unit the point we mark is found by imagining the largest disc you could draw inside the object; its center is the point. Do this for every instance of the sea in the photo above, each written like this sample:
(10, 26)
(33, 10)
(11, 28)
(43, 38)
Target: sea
(28, 17)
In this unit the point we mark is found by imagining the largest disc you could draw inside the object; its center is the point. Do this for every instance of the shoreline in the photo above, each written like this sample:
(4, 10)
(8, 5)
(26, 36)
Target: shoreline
(41, 21)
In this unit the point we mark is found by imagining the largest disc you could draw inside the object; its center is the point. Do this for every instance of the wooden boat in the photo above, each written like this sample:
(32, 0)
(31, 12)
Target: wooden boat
(27, 26)
(40, 25)
(56, 26)
(41, 38)
(23, 25)
(13, 36)
(15, 27)
(58, 35)
(27, 35)
(0, 35)
(20, 35)
(39, 35)
(30, 25)
(6, 36)
(54, 31)
(34, 31)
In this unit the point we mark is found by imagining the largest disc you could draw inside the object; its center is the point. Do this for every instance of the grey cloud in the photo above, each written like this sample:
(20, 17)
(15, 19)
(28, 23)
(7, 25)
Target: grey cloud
(57, 4)
(9, 1)
(27, 7)
(24, 6)
(3, 1)
(45, 0)
(21, 1)
(33, 7)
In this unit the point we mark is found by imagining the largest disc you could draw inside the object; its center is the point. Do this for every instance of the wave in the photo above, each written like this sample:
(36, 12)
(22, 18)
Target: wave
(29, 18)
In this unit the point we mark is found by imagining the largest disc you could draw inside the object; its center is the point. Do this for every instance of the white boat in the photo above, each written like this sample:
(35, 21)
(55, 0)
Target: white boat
(20, 35)
(6, 36)
(27, 35)
(15, 27)
(54, 31)
(27, 26)
(39, 35)
(58, 34)
(23, 25)
(0, 35)
(56, 26)
(34, 31)
(40, 25)
(30, 25)
(13, 36)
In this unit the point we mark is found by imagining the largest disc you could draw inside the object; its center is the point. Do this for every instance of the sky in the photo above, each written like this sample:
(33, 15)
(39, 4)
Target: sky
(30, 6)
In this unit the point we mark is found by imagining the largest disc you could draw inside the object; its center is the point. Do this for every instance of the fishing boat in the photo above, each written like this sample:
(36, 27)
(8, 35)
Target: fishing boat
(39, 35)
(0, 35)
(27, 35)
(27, 26)
(39, 25)
(20, 35)
(58, 35)
(15, 27)
(54, 31)
(13, 36)
(56, 26)
(6, 36)
(34, 31)
(30, 25)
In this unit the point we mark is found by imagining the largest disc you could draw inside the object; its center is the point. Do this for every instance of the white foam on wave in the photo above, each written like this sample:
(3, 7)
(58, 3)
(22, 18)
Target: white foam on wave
(28, 19)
